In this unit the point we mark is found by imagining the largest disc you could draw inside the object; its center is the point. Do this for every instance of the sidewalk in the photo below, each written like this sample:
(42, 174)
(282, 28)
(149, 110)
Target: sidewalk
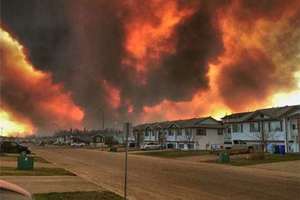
(46, 184)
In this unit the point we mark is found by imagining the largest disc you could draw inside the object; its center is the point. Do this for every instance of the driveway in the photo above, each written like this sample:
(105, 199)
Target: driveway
(156, 178)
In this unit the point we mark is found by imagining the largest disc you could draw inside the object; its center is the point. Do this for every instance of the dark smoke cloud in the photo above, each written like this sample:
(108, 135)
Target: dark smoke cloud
(254, 74)
(77, 42)
(82, 43)
(248, 79)
(197, 42)
(30, 95)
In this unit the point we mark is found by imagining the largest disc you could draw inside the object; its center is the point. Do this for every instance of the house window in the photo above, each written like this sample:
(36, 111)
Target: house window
(201, 132)
(171, 133)
(228, 130)
(237, 128)
(276, 126)
(181, 146)
(254, 127)
(179, 132)
(190, 146)
(153, 134)
(220, 131)
(294, 126)
(146, 134)
(98, 139)
(188, 133)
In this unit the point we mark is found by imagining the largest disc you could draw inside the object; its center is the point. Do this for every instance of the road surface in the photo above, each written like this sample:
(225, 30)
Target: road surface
(155, 178)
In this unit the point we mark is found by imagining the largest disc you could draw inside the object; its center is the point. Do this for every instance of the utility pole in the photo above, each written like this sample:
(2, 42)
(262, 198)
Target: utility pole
(126, 129)
(103, 120)
(102, 115)
(263, 136)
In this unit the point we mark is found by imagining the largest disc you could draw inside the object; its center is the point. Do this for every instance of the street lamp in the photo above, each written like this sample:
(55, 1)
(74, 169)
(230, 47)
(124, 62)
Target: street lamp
(127, 126)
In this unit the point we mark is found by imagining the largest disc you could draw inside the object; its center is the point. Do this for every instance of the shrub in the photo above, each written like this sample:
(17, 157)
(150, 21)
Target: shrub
(113, 149)
(256, 156)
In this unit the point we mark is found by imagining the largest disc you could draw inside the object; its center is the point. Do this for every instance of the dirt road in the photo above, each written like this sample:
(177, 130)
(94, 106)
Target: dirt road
(155, 178)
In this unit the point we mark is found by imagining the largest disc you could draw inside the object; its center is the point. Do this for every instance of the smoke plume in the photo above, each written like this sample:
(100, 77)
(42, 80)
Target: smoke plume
(161, 59)
(30, 95)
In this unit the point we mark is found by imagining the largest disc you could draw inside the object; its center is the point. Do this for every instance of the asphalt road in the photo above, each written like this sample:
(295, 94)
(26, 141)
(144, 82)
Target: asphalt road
(155, 178)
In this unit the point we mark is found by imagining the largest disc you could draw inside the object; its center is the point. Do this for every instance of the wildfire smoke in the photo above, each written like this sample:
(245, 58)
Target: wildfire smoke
(155, 60)
(29, 98)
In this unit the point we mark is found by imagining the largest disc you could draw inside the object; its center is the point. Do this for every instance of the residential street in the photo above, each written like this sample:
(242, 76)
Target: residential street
(155, 178)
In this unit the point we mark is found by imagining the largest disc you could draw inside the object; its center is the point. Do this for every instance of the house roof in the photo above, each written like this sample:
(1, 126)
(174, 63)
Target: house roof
(185, 123)
(272, 113)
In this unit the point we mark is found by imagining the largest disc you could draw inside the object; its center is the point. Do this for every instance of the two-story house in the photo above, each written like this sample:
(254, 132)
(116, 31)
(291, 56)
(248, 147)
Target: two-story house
(278, 125)
(196, 133)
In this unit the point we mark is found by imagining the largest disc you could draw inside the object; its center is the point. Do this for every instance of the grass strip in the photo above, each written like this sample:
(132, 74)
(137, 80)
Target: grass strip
(269, 158)
(14, 157)
(40, 171)
(174, 154)
(94, 195)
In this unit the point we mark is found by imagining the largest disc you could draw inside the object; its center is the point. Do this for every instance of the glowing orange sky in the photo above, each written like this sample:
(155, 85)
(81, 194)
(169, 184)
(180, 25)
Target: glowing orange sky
(257, 65)
(237, 36)
(51, 102)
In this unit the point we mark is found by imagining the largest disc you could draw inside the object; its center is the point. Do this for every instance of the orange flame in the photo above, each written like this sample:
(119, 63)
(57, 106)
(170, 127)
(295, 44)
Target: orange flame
(112, 94)
(149, 36)
(47, 102)
(10, 126)
(238, 36)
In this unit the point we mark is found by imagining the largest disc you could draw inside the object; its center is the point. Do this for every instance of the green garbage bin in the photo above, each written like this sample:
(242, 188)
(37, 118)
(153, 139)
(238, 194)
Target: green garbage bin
(224, 157)
(25, 162)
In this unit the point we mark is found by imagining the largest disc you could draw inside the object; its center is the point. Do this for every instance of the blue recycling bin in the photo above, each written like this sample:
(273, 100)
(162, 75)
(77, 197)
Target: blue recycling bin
(282, 149)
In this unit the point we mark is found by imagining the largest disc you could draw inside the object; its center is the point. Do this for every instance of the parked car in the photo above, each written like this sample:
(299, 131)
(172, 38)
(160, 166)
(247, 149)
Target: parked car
(151, 146)
(239, 146)
(10, 191)
(13, 147)
(78, 144)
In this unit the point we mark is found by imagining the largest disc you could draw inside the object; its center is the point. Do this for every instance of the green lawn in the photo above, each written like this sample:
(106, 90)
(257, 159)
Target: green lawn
(269, 158)
(173, 154)
(12, 171)
(14, 157)
(105, 195)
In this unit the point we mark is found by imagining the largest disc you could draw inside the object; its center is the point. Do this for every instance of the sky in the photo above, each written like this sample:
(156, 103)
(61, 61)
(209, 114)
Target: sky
(65, 64)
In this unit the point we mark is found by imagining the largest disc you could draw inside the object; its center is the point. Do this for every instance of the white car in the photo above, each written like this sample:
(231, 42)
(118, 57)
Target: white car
(238, 146)
(151, 146)
(75, 144)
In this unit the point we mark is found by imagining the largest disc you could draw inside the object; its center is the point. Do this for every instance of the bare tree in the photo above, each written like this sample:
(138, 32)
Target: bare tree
(189, 135)
(264, 136)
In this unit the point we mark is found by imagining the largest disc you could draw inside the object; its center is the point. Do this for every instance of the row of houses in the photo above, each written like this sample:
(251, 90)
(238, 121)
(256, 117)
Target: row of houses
(280, 125)
(96, 138)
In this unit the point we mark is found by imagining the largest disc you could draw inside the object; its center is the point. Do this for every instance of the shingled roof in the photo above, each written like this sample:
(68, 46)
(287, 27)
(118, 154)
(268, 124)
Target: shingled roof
(184, 123)
(273, 113)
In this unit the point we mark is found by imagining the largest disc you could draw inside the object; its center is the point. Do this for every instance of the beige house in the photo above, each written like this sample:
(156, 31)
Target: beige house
(280, 126)
(195, 134)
